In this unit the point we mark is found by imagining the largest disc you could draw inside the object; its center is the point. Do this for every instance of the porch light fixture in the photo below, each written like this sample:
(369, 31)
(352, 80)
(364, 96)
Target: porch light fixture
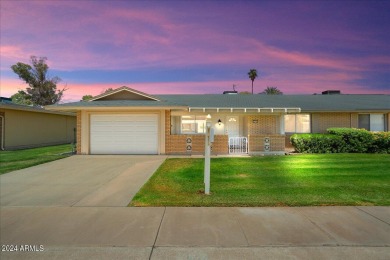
(208, 116)
(219, 121)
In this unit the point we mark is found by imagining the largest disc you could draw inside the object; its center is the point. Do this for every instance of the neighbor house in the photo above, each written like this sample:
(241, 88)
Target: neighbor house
(27, 126)
(127, 121)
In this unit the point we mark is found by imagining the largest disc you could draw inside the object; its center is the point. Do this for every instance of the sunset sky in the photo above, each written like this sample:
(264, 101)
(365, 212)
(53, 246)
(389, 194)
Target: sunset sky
(163, 47)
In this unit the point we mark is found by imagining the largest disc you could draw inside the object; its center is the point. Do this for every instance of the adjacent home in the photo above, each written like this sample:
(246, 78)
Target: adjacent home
(27, 126)
(127, 121)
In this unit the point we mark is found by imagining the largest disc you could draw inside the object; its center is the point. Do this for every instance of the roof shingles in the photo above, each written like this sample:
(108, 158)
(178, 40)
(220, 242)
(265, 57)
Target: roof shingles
(305, 102)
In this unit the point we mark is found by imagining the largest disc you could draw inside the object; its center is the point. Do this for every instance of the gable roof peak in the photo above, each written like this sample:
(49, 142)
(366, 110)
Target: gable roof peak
(110, 95)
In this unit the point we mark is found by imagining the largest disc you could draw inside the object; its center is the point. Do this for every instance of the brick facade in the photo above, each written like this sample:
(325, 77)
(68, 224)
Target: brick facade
(257, 143)
(259, 127)
(177, 144)
(322, 121)
(263, 124)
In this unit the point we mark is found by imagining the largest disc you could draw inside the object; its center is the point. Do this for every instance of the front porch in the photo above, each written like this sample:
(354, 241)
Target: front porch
(234, 133)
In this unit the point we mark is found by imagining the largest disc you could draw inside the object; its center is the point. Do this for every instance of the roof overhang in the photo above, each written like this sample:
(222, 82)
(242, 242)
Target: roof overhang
(36, 110)
(122, 108)
(278, 110)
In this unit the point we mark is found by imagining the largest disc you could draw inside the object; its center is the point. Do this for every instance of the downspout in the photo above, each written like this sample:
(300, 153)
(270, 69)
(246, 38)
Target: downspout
(2, 133)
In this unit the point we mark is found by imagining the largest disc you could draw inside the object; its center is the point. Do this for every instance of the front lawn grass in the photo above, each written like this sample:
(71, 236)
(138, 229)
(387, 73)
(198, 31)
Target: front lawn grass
(299, 180)
(19, 159)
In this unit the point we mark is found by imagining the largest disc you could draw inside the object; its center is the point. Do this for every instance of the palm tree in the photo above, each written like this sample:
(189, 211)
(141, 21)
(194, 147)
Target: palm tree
(252, 75)
(272, 91)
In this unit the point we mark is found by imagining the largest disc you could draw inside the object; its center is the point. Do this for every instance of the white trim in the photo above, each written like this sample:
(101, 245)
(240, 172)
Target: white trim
(2, 132)
(259, 109)
(115, 91)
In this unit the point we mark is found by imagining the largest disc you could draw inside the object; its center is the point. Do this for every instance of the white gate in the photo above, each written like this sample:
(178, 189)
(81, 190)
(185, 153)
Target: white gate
(238, 145)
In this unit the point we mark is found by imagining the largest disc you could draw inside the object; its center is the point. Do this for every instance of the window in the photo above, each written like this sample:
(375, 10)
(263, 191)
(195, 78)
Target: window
(299, 123)
(372, 122)
(192, 124)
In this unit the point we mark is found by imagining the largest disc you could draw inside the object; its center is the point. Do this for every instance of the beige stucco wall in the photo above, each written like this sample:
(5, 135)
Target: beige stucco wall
(24, 129)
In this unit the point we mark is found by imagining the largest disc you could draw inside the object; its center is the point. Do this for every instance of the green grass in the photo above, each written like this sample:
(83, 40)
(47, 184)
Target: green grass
(299, 180)
(20, 159)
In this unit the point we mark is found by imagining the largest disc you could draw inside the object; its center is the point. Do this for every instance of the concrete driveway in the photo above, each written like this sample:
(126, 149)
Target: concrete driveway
(102, 180)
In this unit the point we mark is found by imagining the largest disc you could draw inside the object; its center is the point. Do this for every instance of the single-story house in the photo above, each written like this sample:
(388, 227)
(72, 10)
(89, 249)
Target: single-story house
(28, 127)
(127, 121)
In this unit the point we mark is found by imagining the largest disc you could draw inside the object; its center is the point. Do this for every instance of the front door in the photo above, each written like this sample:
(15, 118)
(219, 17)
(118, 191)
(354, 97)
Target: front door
(232, 126)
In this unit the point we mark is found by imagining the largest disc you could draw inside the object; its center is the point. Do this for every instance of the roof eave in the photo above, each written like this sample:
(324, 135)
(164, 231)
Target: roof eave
(249, 109)
(34, 110)
(111, 108)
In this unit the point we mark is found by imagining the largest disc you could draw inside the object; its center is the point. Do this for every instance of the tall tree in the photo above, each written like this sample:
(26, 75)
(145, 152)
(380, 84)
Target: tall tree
(107, 90)
(21, 98)
(272, 91)
(42, 90)
(86, 97)
(252, 75)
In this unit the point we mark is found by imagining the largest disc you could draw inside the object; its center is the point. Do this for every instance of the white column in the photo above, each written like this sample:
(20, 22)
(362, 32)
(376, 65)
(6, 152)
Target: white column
(281, 130)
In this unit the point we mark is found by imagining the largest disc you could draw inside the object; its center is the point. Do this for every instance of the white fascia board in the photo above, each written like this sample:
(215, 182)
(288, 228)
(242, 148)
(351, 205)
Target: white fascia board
(245, 109)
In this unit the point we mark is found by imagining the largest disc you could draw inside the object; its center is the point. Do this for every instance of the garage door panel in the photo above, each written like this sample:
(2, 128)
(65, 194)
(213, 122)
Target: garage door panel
(124, 134)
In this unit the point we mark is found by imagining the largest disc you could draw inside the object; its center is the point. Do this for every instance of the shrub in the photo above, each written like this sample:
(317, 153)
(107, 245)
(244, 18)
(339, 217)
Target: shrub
(317, 143)
(342, 140)
(356, 140)
(381, 143)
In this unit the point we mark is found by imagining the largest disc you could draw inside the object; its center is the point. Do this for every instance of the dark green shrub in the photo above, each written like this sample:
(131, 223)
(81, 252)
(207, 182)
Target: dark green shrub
(317, 143)
(342, 140)
(381, 143)
(356, 140)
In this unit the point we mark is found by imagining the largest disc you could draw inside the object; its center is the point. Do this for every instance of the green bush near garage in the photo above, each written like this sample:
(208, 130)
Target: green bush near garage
(342, 140)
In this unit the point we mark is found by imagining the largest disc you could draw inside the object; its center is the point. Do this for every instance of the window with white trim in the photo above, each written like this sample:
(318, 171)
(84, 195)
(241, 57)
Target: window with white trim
(372, 122)
(192, 124)
(297, 123)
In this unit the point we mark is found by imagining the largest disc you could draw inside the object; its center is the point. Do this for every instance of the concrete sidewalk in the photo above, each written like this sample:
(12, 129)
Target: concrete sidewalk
(197, 233)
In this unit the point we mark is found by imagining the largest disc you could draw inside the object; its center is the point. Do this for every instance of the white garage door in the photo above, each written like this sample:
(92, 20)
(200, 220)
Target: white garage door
(124, 134)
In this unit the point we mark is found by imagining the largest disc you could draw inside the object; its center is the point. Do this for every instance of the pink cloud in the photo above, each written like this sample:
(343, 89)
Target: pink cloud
(147, 38)
(289, 84)
(133, 34)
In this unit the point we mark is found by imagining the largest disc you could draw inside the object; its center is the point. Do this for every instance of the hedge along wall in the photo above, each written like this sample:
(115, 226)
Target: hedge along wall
(342, 140)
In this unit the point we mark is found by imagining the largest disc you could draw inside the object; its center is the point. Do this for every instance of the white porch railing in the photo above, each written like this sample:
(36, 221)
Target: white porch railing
(238, 145)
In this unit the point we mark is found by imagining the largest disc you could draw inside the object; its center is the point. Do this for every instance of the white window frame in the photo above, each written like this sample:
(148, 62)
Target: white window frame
(295, 123)
(370, 125)
(196, 125)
